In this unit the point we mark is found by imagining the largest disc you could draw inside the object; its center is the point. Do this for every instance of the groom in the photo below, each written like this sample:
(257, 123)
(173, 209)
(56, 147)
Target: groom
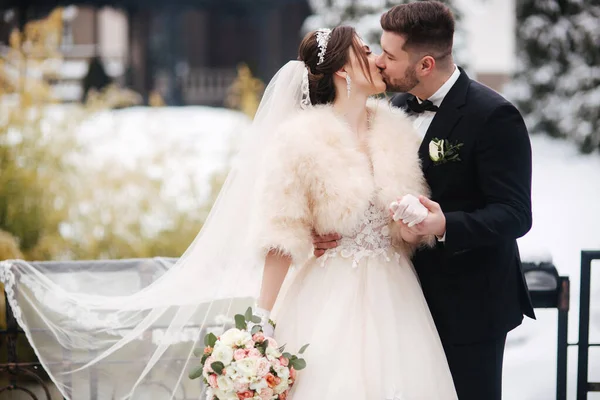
(476, 157)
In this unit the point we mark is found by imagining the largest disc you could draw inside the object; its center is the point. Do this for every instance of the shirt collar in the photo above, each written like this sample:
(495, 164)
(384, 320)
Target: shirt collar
(439, 95)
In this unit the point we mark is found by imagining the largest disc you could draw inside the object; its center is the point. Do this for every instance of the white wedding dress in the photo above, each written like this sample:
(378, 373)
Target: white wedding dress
(370, 331)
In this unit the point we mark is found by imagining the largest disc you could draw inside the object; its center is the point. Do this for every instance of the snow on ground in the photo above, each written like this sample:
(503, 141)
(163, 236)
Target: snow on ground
(192, 141)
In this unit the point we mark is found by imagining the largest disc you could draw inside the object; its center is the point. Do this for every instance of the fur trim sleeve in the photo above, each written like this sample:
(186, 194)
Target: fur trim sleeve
(285, 218)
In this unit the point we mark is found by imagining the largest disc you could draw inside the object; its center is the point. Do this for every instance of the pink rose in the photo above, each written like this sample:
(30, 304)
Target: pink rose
(293, 373)
(239, 354)
(263, 367)
(276, 363)
(245, 395)
(272, 342)
(258, 337)
(284, 361)
(249, 344)
(240, 386)
(254, 353)
(212, 381)
(266, 393)
(283, 396)
(207, 368)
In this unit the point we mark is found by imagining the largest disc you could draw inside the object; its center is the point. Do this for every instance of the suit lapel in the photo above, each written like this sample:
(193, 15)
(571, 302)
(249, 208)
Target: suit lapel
(446, 117)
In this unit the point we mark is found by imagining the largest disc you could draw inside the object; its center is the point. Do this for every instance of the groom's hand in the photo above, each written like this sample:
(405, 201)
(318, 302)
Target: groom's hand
(323, 243)
(434, 223)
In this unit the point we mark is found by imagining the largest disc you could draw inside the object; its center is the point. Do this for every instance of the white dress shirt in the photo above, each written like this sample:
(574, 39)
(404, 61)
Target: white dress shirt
(423, 120)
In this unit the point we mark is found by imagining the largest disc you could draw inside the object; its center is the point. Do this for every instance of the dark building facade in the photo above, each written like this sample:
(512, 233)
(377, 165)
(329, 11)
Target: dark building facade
(187, 52)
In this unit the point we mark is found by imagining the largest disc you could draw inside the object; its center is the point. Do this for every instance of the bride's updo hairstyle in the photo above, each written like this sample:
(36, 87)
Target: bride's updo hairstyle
(320, 77)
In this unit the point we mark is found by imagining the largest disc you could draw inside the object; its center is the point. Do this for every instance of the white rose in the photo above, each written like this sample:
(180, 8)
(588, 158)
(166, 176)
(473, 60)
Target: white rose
(246, 367)
(225, 383)
(259, 383)
(435, 150)
(223, 354)
(235, 375)
(282, 372)
(235, 337)
(225, 395)
(272, 353)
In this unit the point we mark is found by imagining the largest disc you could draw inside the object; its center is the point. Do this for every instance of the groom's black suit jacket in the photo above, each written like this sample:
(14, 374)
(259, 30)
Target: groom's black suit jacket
(473, 281)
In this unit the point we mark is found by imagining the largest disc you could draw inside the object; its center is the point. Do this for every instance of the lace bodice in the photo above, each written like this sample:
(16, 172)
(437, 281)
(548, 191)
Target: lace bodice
(370, 238)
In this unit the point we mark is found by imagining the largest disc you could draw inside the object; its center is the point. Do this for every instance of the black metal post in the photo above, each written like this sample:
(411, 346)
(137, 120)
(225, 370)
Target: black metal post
(584, 323)
(562, 344)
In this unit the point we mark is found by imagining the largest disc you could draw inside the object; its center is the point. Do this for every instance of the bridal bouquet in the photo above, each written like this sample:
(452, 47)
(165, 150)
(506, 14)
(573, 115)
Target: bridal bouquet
(244, 364)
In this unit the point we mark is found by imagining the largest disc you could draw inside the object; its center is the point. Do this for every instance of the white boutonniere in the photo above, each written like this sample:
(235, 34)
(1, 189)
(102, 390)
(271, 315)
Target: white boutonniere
(442, 151)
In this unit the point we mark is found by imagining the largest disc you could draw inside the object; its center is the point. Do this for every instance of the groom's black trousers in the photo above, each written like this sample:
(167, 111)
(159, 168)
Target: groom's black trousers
(477, 369)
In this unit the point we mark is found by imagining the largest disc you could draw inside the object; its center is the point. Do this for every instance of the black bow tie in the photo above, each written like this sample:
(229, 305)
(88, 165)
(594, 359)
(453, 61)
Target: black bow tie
(414, 107)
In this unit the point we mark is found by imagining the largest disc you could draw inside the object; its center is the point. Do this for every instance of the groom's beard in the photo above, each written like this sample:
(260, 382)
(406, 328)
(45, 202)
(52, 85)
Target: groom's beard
(404, 84)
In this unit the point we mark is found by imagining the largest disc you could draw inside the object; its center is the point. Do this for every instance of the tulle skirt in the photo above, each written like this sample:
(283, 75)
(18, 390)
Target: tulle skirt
(370, 332)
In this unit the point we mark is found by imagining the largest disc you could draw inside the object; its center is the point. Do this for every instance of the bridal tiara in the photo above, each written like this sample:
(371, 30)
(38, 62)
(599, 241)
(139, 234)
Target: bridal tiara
(323, 36)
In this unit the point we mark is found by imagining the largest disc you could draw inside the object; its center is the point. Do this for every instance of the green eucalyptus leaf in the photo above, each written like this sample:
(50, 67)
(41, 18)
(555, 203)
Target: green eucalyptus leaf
(196, 372)
(299, 364)
(240, 322)
(218, 367)
(256, 329)
(210, 340)
(303, 349)
(262, 347)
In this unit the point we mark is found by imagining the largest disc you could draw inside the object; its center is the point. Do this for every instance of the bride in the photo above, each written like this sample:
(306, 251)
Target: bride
(319, 157)
(336, 168)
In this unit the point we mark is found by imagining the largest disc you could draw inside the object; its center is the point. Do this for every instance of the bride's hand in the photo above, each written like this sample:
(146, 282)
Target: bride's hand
(323, 243)
(267, 328)
(409, 210)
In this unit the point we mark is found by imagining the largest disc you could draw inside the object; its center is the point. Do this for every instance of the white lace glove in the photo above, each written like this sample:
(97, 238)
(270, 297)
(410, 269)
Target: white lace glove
(267, 328)
(409, 209)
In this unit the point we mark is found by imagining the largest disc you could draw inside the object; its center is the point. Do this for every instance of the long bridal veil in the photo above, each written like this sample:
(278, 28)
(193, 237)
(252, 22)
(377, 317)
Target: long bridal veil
(100, 339)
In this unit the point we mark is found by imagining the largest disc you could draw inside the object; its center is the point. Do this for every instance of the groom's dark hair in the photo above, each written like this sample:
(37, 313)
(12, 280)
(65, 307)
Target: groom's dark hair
(426, 26)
